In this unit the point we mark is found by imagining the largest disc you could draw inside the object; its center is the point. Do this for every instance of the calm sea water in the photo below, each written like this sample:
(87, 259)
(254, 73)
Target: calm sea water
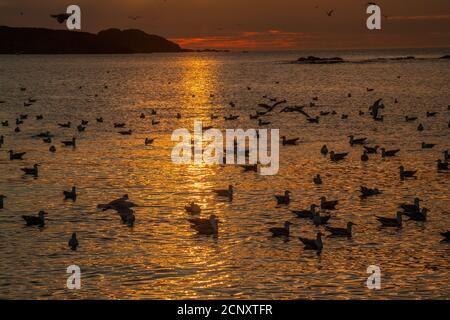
(161, 257)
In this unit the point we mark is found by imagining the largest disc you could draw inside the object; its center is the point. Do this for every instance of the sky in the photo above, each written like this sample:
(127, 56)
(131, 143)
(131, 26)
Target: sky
(250, 24)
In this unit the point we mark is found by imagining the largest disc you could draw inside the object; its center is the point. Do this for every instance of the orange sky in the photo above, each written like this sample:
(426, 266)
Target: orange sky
(253, 25)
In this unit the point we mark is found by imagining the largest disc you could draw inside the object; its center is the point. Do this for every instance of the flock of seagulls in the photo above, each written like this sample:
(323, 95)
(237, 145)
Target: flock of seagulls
(319, 215)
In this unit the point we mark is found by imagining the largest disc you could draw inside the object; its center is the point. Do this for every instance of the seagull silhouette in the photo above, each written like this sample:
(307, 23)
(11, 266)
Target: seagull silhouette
(60, 17)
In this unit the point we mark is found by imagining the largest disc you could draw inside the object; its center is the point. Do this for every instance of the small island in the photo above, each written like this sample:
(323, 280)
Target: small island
(48, 41)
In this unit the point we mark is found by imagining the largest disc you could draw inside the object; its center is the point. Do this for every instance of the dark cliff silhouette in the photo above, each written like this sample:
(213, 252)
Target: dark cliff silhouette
(48, 41)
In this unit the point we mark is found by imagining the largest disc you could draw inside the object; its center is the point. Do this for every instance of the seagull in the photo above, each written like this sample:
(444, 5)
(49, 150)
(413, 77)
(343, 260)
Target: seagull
(205, 226)
(16, 155)
(319, 220)
(308, 214)
(2, 197)
(410, 119)
(52, 149)
(391, 222)
(120, 202)
(389, 153)
(149, 141)
(420, 127)
(411, 207)
(65, 125)
(313, 120)
(431, 114)
(313, 244)
(225, 193)
(39, 117)
(61, 17)
(284, 231)
(72, 195)
(289, 141)
(337, 156)
(126, 133)
(99, 120)
(69, 143)
(31, 171)
(5, 123)
(446, 236)
(367, 192)
(35, 221)
(446, 155)
(341, 232)
(364, 156)
(328, 205)
(354, 141)
(193, 208)
(283, 199)
(324, 150)
(119, 125)
(442, 165)
(406, 174)
(417, 215)
(317, 179)
(73, 242)
(427, 145)
(371, 150)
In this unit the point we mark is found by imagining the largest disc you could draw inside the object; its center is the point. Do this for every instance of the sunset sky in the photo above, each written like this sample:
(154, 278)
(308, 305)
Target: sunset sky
(250, 24)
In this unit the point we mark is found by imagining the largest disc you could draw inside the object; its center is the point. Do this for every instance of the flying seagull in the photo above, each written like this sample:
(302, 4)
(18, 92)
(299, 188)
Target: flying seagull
(60, 17)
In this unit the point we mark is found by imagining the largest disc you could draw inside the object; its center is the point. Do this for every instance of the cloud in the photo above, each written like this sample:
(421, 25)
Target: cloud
(270, 39)
(421, 18)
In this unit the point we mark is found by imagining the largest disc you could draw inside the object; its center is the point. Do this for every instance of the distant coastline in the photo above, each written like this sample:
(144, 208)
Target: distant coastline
(111, 41)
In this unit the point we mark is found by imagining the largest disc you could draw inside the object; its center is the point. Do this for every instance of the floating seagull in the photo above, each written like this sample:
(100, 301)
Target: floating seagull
(16, 155)
(39, 117)
(391, 222)
(389, 153)
(65, 125)
(284, 231)
(446, 155)
(81, 128)
(313, 120)
(328, 205)
(337, 156)
(17, 129)
(225, 193)
(35, 221)
(406, 174)
(193, 208)
(411, 207)
(70, 195)
(313, 244)
(417, 215)
(73, 242)
(61, 17)
(307, 214)
(126, 133)
(420, 127)
(69, 143)
(319, 220)
(263, 123)
(410, 119)
(324, 150)
(31, 171)
(317, 179)
(344, 116)
(367, 192)
(427, 145)
(446, 236)
(341, 232)
(442, 165)
(2, 140)
(52, 149)
(250, 167)
(371, 150)
(119, 125)
(99, 120)
(283, 199)
(364, 156)
(431, 114)
(2, 197)
(5, 123)
(149, 141)
(205, 226)
(289, 141)
(155, 122)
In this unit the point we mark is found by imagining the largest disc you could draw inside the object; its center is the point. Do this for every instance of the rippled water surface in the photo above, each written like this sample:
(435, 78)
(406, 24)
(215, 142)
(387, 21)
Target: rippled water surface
(161, 257)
